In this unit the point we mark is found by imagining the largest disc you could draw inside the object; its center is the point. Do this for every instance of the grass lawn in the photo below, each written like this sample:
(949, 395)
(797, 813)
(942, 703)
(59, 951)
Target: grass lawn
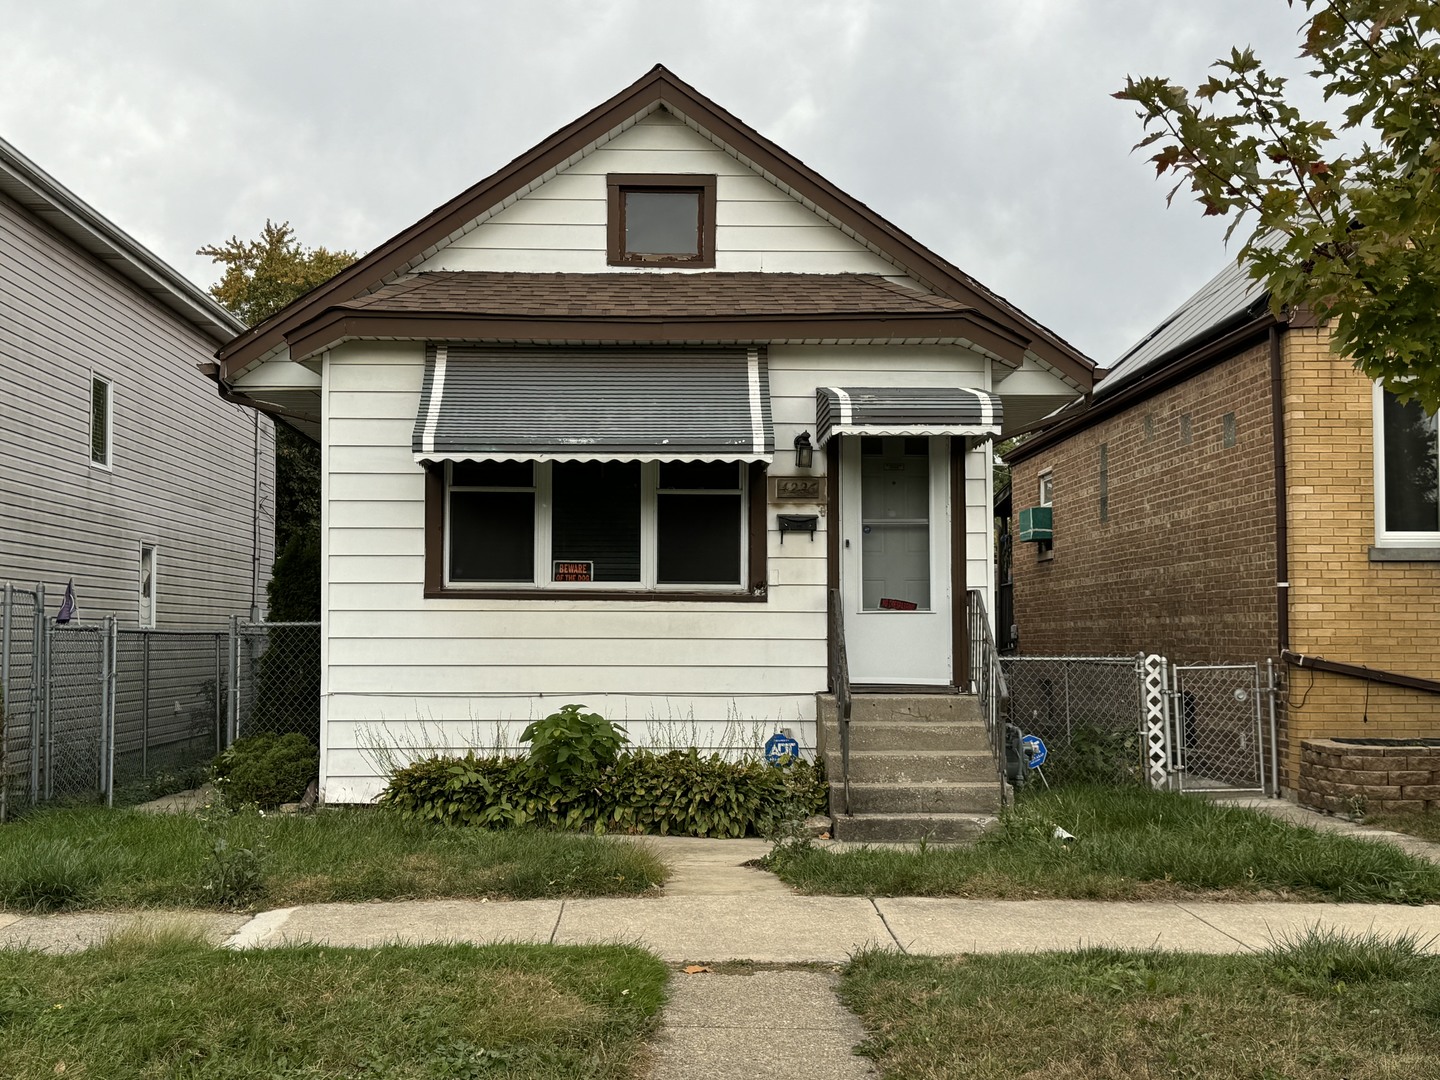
(156, 1005)
(1324, 1006)
(91, 857)
(1131, 844)
(1425, 826)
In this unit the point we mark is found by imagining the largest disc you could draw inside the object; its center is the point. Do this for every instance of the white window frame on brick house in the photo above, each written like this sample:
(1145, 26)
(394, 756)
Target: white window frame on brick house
(1386, 537)
(1045, 549)
(105, 388)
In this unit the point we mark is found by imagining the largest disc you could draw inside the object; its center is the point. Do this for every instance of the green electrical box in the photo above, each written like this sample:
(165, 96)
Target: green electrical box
(1035, 524)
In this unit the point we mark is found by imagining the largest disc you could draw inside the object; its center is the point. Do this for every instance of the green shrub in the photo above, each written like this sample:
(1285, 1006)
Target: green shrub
(571, 746)
(266, 770)
(678, 792)
(1094, 755)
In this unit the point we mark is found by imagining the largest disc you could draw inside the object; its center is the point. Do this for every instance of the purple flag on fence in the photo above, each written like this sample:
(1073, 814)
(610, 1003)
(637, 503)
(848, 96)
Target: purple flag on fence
(68, 609)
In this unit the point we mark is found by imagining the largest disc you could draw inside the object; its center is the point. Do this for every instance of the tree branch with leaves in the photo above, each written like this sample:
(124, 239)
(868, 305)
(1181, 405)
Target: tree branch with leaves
(1354, 236)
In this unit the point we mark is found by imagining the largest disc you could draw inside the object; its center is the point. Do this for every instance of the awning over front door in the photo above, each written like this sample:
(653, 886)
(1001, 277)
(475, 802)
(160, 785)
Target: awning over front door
(593, 404)
(871, 410)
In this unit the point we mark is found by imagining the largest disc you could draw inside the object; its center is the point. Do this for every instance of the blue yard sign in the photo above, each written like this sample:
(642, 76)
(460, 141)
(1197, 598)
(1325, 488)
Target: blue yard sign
(1032, 749)
(780, 746)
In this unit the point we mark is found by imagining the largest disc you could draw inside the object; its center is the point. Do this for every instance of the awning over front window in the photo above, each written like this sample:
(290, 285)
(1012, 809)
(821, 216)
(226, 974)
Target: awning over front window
(596, 404)
(871, 410)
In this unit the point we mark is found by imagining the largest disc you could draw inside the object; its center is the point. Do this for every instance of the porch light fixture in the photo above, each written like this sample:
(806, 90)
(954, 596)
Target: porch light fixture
(804, 451)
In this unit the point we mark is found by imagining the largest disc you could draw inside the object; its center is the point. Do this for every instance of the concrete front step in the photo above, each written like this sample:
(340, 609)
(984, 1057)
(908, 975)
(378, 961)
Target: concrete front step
(907, 735)
(915, 708)
(909, 828)
(902, 766)
(969, 797)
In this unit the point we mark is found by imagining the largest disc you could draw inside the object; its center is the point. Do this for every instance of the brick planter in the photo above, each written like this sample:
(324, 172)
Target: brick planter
(1335, 775)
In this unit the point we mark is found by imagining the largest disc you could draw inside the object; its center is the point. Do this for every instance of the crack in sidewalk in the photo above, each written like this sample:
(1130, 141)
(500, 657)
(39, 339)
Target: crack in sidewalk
(886, 923)
(1224, 933)
(556, 928)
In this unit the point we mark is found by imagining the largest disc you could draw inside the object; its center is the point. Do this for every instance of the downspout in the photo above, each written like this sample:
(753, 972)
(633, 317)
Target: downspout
(1282, 543)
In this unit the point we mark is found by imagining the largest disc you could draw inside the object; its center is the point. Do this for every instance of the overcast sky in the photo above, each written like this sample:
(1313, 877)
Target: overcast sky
(984, 128)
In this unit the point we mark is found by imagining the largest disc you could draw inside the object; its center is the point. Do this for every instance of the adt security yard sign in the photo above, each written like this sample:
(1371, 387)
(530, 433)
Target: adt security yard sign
(1032, 749)
(780, 746)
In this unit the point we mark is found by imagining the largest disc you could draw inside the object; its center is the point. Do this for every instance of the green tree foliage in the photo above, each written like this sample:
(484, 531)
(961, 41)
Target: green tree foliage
(266, 274)
(1353, 235)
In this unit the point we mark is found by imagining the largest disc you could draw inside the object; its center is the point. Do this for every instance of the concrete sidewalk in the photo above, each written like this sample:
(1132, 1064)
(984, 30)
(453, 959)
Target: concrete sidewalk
(763, 928)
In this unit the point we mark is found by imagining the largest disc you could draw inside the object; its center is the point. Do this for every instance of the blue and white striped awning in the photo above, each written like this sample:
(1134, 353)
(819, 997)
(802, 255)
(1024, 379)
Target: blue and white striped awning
(481, 403)
(875, 410)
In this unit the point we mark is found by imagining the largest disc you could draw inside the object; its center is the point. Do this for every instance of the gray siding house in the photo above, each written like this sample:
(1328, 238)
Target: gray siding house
(120, 466)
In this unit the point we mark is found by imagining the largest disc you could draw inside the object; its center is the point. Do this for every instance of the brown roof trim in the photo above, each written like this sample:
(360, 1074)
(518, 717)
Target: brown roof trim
(338, 324)
(1359, 671)
(1176, 371)
(657, 86)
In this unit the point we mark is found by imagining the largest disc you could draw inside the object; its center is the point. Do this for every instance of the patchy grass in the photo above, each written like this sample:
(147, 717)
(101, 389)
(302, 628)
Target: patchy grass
(1322, 1005)
(90, 857)
(1131, 844)
(1425, 826)
(148, 1005)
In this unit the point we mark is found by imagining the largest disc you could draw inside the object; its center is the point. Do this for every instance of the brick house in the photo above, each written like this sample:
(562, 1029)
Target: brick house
(1233, 491)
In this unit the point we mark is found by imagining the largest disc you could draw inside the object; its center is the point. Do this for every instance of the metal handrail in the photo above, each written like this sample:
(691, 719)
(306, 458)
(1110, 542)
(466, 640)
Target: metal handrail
(988, 679)
(840, 686)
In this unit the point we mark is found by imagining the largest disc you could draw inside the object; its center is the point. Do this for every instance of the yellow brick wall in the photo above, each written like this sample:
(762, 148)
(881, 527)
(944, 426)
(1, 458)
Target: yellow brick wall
(1344, 607)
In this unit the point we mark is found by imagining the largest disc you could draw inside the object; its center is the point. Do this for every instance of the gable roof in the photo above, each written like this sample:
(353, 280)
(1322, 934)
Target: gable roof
(656, 89)
(62, 210)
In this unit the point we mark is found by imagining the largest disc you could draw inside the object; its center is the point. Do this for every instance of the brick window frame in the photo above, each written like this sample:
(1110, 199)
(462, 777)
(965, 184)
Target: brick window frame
(619, 185)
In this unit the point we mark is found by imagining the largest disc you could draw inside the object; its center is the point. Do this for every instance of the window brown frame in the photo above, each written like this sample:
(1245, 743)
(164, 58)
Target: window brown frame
(756, 572)
(618, 184)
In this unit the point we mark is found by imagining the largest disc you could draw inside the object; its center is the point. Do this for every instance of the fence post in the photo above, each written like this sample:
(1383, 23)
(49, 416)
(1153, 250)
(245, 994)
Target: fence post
(145, 705)
(108, 657)
(233, 725)
(37, 691)
(46, 735)
(1274, 734)
(5, 706)
(219, 701)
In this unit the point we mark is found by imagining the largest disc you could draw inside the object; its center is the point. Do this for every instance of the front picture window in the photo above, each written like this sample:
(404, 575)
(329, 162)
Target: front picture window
(574, 524)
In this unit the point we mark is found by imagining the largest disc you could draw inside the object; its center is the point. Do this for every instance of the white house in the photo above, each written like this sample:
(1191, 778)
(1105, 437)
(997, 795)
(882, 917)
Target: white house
(561, 417)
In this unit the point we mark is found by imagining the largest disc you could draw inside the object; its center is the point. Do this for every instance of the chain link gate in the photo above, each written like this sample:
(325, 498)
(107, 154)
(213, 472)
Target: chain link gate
(276, 683)
(1217, 728)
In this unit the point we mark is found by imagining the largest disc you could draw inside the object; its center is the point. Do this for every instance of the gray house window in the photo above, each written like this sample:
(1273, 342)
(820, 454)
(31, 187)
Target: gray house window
(148, 606)
(100, 433)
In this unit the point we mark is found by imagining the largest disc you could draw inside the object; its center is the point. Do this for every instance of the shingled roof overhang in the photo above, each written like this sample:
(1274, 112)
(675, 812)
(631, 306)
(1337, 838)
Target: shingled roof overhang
(658, 87)
(1196, 356)
(652, 308)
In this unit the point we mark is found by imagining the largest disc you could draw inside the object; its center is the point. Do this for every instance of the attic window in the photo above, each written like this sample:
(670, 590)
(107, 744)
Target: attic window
(661, 219)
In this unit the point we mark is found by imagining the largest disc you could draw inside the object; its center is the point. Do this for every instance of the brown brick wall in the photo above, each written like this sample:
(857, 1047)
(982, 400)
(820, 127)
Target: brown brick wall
(1185, 563)
(1343, 606)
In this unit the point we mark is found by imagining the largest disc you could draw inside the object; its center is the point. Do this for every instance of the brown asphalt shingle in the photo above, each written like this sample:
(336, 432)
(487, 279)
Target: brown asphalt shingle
(627, 295)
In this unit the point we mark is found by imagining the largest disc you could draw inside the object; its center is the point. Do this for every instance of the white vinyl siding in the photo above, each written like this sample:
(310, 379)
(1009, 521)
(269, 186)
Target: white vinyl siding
(458, 672)
(560, 226)
(182, 474)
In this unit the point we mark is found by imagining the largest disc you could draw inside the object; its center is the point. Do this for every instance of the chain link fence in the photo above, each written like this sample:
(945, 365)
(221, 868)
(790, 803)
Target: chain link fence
(1087, 709)
(276, 689)
(94, 711)
(1218, 723)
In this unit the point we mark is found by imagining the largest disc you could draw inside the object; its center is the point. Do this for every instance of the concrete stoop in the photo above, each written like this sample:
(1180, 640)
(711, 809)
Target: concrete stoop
(920, 768)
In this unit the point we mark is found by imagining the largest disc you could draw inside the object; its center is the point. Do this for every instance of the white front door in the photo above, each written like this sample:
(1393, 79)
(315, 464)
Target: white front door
(895, 558)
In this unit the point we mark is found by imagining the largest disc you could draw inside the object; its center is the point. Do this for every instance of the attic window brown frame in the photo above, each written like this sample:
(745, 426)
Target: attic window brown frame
(618, 185)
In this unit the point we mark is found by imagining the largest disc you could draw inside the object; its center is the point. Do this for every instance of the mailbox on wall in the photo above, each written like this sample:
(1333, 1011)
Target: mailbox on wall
(1035, 524)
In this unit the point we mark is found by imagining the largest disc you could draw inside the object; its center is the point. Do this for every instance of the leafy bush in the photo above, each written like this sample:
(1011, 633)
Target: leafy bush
(266, 770)
(1094, 755)
(678, 792)
(571, 745)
